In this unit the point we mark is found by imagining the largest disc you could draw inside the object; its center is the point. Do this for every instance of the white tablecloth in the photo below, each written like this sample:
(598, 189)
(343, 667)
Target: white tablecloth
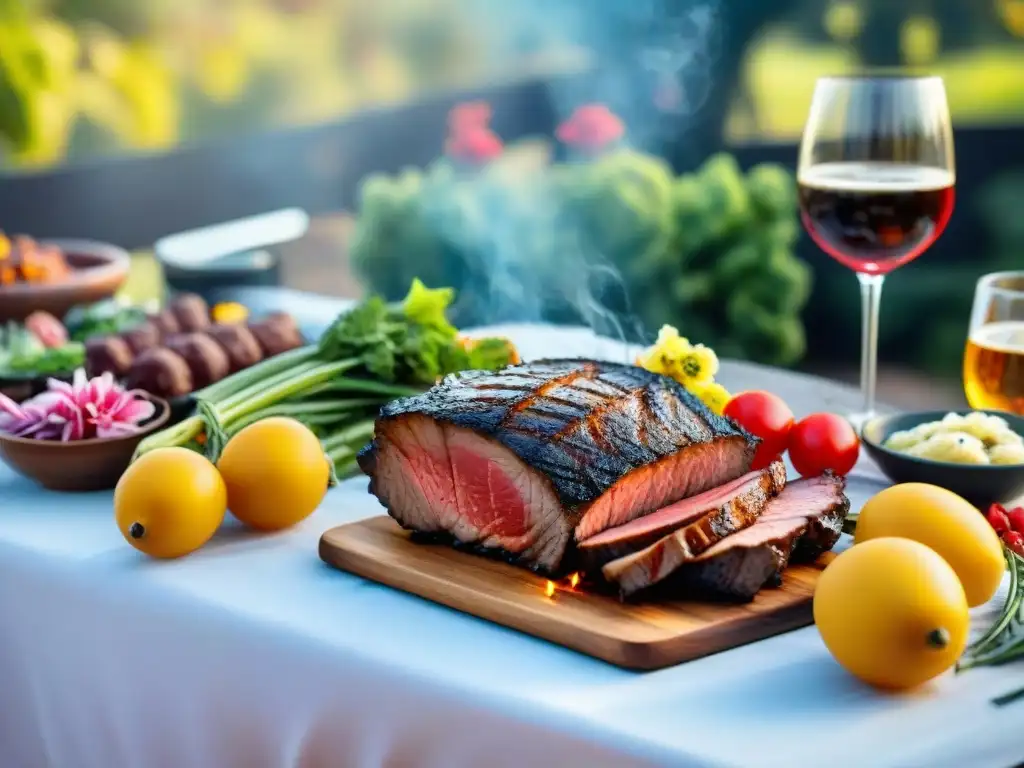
(252, 653)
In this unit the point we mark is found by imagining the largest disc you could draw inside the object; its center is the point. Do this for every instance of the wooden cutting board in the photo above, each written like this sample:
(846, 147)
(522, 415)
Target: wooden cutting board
(638, 635)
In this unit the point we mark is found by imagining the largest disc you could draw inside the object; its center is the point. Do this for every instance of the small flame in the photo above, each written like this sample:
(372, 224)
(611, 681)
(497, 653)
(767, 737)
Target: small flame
(574, 580)
(549, 589)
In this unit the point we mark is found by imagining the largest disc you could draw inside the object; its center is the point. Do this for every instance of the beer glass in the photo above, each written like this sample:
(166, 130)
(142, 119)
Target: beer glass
(994, 358)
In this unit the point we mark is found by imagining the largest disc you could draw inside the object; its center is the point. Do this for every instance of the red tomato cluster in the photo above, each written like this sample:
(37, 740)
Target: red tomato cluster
(816, 444)
(1009, 525)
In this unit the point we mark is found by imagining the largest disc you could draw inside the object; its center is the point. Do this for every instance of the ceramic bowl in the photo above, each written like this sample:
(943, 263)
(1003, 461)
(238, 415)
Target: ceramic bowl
(20, 388)
(99, 270)
(85, 465)
(981, 485)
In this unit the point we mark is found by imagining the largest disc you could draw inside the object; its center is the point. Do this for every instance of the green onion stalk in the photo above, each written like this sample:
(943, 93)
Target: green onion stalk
(370, 355)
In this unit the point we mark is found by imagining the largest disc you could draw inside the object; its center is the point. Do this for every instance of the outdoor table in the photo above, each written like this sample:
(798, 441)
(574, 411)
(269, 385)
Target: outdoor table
(253, 653)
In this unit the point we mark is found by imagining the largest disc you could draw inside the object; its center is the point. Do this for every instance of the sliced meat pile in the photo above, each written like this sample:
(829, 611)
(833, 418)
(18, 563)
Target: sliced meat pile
(799, 524)
(537, 457)
(686, 528)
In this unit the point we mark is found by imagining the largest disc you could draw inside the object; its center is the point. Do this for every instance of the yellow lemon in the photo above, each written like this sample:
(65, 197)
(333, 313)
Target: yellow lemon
(945, 522)
(276, 473)
(892, 612)
(169, 502)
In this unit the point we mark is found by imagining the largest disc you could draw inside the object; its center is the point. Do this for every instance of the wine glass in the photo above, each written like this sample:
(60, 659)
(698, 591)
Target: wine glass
(994, 357)
(876, 180)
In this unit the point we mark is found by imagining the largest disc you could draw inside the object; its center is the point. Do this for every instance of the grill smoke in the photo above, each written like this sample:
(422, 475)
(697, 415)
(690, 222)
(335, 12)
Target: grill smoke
(650, 62)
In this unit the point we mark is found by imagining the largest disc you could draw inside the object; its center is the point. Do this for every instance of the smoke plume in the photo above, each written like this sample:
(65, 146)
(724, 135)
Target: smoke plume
(649, 61)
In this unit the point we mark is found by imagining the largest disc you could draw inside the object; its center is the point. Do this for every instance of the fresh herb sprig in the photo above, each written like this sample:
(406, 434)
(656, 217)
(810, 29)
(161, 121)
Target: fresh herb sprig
(1004, 640)
(368, 356)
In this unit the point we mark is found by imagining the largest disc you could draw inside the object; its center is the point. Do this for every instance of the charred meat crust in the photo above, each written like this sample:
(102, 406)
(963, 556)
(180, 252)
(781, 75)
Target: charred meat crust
(825, 529)
(584, 424)
(746, 579)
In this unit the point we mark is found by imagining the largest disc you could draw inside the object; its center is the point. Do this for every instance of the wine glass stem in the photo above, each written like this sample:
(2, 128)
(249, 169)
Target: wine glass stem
(870, 294)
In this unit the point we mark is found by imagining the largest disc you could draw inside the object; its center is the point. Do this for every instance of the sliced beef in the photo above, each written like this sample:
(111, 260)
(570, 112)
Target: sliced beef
(800, 523)
(823, 503)
(692, 525)
(533, 457)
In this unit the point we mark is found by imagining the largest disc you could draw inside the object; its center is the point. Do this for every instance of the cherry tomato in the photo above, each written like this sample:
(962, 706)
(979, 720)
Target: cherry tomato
(821, 442)
(766, 416)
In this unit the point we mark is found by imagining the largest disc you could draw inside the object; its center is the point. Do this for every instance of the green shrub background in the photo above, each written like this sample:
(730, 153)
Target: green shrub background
(710, 252)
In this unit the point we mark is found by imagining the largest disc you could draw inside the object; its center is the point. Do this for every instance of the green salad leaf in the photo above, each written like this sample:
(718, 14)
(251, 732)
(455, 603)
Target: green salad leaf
(427, 307)
(63, 359)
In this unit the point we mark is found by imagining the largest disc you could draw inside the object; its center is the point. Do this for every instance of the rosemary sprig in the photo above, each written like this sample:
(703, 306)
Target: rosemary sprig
(1008, 698)
(1004, 640)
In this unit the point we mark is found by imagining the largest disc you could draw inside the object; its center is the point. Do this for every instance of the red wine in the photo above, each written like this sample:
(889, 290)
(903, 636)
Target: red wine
(874, 217)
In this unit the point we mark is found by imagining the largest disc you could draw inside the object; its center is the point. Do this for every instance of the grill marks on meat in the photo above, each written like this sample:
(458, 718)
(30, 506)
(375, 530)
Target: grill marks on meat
(694, 524)
(801, 523)
(529, 458)
(732, 509)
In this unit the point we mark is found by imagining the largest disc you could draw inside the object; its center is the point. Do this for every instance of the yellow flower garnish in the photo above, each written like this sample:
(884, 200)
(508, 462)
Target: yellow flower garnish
(693, 366)
(698, 365)
(713, 395)
(229, 312)
(666, 354)
(669, 336)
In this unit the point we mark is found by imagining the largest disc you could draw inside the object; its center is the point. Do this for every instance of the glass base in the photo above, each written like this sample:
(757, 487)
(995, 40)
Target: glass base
(858, 420)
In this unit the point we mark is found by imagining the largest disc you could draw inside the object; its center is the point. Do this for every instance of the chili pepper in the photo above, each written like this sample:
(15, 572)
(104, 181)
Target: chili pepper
(1014, 541)
(998, 519)
(1016, 518)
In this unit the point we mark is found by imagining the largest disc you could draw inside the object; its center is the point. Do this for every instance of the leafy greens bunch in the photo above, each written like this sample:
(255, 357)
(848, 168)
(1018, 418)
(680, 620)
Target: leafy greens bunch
(368, 356)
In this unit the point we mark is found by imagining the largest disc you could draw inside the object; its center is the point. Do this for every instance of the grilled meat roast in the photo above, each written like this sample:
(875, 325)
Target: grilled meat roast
(799, 524)
(534, 458)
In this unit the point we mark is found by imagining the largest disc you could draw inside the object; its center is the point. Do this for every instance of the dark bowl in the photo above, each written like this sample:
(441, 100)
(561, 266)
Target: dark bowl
(98, 271)
(981, 485)
(84, 465)
(21, 387)
(182, 407)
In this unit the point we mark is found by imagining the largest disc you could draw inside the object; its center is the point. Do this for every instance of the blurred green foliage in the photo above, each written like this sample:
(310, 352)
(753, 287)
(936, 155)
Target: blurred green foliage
(710, 251)
(974, 45)
(81, 76)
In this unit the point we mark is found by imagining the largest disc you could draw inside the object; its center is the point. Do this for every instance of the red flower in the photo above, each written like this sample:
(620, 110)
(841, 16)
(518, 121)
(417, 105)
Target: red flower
(468, 116)
(476, 145)
(591, 128)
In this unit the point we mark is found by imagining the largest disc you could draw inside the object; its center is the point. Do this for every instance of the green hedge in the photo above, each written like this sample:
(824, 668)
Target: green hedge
(614, 241)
